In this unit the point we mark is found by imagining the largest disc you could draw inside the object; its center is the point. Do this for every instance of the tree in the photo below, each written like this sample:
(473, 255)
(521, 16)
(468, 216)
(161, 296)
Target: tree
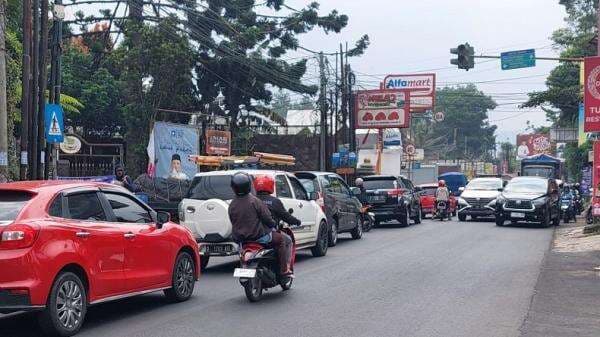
(465, 131)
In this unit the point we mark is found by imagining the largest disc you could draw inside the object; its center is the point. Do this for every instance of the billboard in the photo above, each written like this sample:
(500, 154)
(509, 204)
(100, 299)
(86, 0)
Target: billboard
(218, 142)
(591, 97)
(421, 87)
(380, 109)
(532, 144)
(172, 144)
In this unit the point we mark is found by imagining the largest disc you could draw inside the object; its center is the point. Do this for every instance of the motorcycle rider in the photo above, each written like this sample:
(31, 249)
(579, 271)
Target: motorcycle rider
(359, 182)
(265, 186)
(251, 221)
(442, 194)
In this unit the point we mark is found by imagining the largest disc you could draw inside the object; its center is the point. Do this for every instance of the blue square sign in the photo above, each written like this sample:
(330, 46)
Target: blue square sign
(53, 123)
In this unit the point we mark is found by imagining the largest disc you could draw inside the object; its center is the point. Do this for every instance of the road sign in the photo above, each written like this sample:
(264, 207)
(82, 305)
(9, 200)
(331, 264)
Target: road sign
(439, 116)
(518, 59)
(410, 150)
(591, 98)
(53, 123)
(380, 109)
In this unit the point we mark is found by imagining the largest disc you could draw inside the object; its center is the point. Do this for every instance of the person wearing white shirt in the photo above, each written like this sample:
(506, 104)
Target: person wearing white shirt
(176, 169)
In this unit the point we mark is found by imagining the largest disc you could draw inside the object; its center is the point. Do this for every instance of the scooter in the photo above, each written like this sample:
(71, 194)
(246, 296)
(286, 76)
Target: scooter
(260, 268)
(368, 218)
(567, 207)
(589, 216)
(441, 211)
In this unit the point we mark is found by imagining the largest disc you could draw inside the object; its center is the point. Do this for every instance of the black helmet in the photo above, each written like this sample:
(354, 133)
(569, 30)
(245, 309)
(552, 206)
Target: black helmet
(241, 184)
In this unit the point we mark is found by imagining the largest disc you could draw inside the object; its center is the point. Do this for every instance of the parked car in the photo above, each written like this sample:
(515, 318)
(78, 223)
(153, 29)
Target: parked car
(427, 198)
(342, 208)
(393, 198)
(69, 245)
(478, 198)
(205, 212)
(529, 199)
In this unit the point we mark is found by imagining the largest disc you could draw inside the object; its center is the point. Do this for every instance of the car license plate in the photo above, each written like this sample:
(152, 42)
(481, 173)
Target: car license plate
(244, 273)
(377, 198)
(517, 215)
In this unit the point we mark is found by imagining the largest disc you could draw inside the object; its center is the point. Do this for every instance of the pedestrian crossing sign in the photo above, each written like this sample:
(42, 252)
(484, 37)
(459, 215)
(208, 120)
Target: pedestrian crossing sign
(54, 126)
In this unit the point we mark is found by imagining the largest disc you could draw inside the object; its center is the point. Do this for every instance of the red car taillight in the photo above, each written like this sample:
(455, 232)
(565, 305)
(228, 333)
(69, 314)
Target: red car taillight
(395, 193)
(321, 201)
(18, 236)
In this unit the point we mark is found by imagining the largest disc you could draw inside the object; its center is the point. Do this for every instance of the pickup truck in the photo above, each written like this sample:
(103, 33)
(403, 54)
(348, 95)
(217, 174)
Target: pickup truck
(205, 213)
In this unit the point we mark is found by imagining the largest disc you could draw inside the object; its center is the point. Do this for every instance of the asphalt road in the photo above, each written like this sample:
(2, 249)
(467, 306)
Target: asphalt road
(433, 279)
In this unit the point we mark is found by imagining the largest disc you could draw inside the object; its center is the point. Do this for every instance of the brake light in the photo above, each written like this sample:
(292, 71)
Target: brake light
(18, 236)
(395, 193)
(321, 201)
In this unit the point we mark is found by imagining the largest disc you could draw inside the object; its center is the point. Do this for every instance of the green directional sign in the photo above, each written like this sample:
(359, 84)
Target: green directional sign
(518, 59)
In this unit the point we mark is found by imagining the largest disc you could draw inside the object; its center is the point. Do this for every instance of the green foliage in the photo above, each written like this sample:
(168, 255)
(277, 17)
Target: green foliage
(465, 109)
(575, 40)
(576, 158)
(508, 154)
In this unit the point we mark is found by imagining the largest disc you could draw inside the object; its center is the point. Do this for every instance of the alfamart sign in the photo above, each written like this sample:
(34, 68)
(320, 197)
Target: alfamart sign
(421, 87)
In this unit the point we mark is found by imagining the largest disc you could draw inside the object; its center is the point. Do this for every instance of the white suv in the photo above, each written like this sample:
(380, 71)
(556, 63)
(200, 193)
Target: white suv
(205, 212)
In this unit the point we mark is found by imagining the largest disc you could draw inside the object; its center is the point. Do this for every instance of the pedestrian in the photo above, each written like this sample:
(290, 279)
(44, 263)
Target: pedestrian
(124, 180)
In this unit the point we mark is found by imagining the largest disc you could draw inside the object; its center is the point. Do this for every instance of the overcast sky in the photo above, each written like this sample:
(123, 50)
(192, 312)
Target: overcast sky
(415, 36)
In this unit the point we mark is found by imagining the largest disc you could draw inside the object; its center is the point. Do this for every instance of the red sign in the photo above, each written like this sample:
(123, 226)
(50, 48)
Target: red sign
(421, 87)
(532, 144)
(591, 123)
(381, 109)
(218, 142)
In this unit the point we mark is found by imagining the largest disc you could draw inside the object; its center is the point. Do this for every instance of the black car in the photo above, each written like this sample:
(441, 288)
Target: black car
(529, 199)
(392, 198)
(341, 207)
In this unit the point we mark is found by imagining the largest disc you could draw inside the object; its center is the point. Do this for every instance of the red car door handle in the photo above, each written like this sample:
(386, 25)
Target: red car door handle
(129, 235)
(82, 234)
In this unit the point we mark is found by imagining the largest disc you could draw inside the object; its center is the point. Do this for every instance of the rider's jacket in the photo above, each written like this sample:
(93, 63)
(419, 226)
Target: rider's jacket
(250, 218)
(278, 211)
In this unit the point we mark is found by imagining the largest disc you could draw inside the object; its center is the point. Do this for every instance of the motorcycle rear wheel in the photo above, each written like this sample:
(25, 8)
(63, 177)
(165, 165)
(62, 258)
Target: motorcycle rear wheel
(253, 289)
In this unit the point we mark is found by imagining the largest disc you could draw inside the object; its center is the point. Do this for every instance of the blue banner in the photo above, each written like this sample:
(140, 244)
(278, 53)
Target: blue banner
(173, 144)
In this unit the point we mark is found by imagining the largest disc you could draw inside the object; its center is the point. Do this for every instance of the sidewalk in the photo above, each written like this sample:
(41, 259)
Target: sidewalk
(566, 301)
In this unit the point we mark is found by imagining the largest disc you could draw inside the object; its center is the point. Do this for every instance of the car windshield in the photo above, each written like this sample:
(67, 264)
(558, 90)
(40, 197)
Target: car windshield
(11, 204)
(380, 184)
(538, 171)
(484, 184)
(429, 191)
(211, 187)
(527, 186)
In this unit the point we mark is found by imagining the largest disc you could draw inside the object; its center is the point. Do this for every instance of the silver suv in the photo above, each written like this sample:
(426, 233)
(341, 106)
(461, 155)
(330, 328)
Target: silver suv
(478, 198)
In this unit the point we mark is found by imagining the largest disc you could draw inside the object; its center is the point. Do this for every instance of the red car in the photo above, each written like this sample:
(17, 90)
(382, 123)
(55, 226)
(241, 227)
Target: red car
(427, 196)
(67, 245)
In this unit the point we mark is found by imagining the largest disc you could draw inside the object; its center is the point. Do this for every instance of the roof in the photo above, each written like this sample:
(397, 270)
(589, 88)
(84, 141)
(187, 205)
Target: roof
(38, 186)
(374, 177)
(542, 158)
(232, 172)
(428, 185)
(316, 173)
(451, 174)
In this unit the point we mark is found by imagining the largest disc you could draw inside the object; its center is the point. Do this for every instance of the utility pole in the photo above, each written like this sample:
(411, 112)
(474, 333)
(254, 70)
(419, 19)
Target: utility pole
(56, 79)
(3, 108)
(34, 151)
(343, 82)
(43, 155)
(323, 109)
(25, 93)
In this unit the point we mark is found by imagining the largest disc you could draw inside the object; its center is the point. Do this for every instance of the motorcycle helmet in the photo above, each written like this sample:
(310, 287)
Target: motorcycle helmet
(358, 182)
(241, 184)
(264, 184)
(442, 183)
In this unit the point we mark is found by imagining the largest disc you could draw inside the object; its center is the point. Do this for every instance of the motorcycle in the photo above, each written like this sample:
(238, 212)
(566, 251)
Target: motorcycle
(367, 218)
(567, 208)
(441, 210)
(578, 204)
(260, 268)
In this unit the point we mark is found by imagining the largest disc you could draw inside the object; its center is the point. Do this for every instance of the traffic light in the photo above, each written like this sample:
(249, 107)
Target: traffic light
(466, 56)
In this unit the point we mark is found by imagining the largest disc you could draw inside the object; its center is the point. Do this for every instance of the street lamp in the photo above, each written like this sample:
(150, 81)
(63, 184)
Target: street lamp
(58, 11)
